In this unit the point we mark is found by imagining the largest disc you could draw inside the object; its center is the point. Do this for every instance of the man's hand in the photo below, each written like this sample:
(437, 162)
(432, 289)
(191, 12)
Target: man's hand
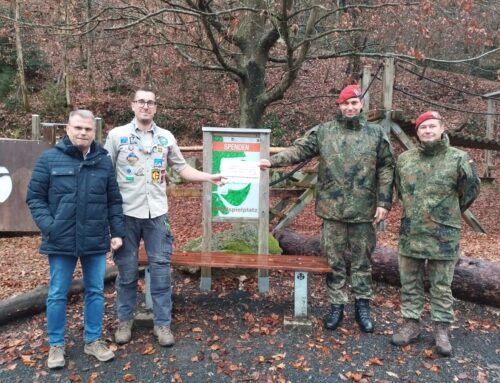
(217, 179)
(264, 164)
(116, 243)
(380, 215)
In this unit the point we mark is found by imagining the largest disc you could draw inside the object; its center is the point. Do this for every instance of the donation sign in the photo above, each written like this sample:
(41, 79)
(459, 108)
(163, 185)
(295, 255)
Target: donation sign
(236, 158)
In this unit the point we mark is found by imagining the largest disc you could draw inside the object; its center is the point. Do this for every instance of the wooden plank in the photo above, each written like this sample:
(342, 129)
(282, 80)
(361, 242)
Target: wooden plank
(17, 158)
(196, 192)
(401, 136)
(246, 261)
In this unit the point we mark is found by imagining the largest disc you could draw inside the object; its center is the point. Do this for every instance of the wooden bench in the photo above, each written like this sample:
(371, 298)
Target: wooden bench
(300, 264)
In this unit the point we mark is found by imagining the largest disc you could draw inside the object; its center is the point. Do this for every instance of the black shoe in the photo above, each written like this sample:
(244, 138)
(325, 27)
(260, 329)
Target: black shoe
(362, 309)
(334, 317)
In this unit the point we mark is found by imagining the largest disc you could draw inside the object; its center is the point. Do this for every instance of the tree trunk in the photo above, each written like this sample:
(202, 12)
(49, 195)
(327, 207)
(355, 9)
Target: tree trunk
(474, 281)
(251, 110)
(34, 302)
(20, 57)
(90, 47)
(65, 57)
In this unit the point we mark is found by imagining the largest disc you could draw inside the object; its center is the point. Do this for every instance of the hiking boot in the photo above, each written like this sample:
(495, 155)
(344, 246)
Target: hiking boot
(99, 350)
(408, 333)
(362, 314)
(164, 335)
(443, 344)
(334, 317)
(124, 331)
(56, 357)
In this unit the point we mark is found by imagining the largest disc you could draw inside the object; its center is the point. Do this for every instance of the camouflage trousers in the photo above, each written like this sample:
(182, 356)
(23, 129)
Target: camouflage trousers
(412, 273)
(359, 238)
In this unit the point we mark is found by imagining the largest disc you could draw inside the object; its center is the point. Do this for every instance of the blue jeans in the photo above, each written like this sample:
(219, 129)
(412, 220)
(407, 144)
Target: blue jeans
(61, 275)
(158, 243)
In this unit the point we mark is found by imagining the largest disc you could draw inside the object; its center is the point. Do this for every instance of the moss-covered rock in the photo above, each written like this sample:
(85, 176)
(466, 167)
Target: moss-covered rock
(241, 238)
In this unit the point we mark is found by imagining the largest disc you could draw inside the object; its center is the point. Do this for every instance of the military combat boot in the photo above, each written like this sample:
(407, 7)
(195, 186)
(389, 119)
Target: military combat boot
(408, 333)
(443, 344)
(334, 317)
(362, 311)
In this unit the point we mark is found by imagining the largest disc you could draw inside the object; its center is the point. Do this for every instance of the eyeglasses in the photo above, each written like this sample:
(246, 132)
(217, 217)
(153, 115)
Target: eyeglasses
(143, 103)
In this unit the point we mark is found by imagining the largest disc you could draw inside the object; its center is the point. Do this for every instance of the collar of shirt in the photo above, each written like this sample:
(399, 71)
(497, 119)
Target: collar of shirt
(86, 154)
(134, 129)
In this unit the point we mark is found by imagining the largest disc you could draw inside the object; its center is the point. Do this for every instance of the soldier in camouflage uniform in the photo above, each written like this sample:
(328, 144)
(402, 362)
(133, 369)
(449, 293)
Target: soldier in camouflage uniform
(435, 184)
(354, 191)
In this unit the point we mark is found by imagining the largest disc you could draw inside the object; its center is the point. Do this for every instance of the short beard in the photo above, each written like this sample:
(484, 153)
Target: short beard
(145, 121)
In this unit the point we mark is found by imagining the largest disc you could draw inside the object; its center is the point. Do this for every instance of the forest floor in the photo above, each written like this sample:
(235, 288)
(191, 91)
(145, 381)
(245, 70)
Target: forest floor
(234, 334)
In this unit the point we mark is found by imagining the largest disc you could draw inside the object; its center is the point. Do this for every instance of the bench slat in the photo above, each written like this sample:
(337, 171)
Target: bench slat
(246, 261)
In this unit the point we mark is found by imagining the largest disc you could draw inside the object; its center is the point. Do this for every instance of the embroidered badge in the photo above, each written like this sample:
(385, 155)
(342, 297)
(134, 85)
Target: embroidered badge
(132, 158)
(156, 176)
(131, 148)
(129, 178)
(124, 140)
(163, 140)
(139, 172)
(158, 163)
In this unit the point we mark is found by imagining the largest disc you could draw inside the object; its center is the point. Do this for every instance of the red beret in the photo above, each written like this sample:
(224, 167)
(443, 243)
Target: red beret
(430, 115)
(350, 91)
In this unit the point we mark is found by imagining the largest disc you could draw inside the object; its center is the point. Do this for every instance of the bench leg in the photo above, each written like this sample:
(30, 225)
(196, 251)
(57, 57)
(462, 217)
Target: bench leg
(300, 310)
(144, 318)
(300, 319)
(147, 289)
(263, 280)
(205, 279)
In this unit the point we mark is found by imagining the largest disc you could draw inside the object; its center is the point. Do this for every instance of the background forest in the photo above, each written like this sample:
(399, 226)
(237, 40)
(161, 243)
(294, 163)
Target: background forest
(255, 63)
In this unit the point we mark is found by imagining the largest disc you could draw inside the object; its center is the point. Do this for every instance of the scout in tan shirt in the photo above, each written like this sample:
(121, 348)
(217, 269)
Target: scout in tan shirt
(141, 153)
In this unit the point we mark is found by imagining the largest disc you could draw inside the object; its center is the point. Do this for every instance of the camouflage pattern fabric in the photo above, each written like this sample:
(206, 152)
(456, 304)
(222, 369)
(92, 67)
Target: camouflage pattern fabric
(412, 272)
(435, 184)
(359, 238)
(356, 168)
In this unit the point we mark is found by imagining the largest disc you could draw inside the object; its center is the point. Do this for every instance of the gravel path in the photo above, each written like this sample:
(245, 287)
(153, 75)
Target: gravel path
(233, 335)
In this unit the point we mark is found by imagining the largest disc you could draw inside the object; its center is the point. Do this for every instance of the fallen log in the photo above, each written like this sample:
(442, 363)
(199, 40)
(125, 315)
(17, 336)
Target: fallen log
(34, 301)
(475, 280)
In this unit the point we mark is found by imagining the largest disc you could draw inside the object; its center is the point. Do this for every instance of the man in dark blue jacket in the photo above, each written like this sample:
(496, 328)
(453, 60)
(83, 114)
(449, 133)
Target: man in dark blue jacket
(75, 201)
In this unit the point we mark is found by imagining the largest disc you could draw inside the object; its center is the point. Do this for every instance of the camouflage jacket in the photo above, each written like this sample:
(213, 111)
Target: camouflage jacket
(435, 184)
(356, 168)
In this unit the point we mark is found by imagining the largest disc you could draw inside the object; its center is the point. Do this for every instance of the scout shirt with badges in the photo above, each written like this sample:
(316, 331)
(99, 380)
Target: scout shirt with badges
(140, 160)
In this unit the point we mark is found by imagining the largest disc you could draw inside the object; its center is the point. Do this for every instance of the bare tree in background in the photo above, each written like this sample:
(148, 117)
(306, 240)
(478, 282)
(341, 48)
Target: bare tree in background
(20, 56)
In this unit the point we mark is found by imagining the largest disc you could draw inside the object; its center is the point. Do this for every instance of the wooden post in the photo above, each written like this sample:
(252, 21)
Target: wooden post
(365, 83)
(388, 83)
(49, 133)
(35, 127)
(489, 134)
(264, 213)
(206, 272)
(98, 133)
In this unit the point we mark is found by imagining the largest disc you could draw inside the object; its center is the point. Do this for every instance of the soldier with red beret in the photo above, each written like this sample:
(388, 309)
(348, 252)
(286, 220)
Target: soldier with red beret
(353, 192)
(435, 184)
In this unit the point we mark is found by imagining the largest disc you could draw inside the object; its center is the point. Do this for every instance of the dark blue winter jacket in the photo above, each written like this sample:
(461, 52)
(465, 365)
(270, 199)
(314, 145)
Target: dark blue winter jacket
(75, 202)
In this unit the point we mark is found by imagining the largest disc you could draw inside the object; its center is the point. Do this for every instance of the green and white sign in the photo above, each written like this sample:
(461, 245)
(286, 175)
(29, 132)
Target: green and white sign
(236, 158)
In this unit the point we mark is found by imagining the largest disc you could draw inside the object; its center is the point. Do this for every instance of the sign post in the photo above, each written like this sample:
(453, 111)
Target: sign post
(235, 153)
